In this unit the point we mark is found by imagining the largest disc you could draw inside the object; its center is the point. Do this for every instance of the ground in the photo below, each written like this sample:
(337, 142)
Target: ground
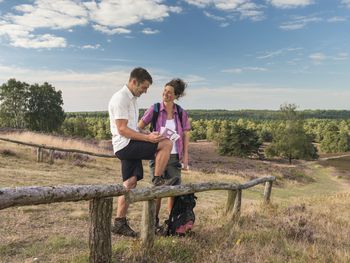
(307, 221)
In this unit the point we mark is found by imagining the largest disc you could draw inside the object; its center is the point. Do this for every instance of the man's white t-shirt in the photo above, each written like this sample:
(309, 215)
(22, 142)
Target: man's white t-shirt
(123, 105)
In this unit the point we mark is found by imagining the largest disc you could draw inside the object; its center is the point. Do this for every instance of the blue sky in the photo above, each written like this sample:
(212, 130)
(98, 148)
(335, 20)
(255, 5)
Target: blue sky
(234, 54)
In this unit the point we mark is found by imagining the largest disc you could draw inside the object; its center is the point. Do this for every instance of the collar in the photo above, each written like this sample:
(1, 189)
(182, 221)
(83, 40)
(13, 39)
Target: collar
(127, 90)
(162, 107)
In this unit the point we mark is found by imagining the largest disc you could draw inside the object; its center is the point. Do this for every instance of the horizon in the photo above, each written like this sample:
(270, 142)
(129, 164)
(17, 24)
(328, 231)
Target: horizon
(234, 54)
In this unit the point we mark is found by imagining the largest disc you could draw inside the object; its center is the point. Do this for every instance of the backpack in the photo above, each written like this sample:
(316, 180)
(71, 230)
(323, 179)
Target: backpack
(182, 217)
(155, 115)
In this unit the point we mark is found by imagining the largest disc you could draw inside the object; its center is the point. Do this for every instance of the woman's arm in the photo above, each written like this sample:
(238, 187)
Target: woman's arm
(186, 142)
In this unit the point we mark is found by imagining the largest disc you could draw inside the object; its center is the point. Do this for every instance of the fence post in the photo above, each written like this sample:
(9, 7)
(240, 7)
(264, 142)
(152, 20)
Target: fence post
(51, 155)
(39, 154)
(237, 205)
(231, 196)
(267, 192)
(100, 230)
(148, 224)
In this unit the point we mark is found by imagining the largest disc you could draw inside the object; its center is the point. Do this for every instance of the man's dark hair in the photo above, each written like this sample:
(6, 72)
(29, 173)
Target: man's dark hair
(179, 87)
(140, 74)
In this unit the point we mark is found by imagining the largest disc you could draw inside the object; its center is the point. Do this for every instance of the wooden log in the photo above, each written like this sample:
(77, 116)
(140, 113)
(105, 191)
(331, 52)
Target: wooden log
(136, 195)
(231, 196)
(100, 230)
(21, 196)
(267, 191)
(51, 156)
(148, 225)
(39, 154)
(237, 206)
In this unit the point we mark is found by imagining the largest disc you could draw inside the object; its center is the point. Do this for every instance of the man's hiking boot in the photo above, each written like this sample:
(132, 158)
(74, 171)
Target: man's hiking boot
(121, 227)
(160, 180)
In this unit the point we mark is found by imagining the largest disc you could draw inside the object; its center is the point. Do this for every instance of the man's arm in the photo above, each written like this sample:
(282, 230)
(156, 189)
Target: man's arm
(125, 131)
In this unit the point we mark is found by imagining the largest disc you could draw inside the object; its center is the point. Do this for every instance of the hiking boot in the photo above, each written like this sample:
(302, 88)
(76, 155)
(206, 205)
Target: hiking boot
(160, 180)
(121, 227)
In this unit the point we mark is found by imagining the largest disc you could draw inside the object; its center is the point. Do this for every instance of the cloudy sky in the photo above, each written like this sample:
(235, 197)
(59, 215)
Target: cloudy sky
(234, 54)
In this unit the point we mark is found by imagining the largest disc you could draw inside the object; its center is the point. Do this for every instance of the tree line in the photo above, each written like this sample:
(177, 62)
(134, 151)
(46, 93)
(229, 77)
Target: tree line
(286, 133)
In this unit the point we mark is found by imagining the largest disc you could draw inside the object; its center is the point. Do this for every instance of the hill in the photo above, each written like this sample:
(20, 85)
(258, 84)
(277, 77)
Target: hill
(308, 220)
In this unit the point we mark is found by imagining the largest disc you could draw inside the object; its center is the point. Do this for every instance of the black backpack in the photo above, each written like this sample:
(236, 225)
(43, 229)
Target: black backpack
(155, 115)
(182, 217)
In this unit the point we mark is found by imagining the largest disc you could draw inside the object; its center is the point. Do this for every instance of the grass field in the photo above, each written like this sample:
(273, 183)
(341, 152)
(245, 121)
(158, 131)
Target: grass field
(308, 220)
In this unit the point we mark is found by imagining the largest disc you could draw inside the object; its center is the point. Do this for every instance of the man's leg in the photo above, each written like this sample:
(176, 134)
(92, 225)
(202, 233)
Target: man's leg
(122, 205)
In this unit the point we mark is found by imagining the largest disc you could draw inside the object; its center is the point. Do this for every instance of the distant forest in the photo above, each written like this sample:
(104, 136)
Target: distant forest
(236, 114)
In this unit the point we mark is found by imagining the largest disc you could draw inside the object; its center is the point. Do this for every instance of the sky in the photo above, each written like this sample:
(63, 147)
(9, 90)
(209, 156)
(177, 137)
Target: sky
(234, 54)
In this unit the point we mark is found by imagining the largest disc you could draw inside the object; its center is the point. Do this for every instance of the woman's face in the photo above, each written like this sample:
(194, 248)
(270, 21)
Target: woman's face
(169, 94)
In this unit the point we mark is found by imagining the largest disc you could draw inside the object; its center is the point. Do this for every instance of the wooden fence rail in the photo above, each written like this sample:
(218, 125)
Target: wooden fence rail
(52, 149)
(101, 207)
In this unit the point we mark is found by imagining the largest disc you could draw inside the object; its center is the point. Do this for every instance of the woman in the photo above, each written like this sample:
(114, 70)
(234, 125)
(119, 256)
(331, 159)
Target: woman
(172, 116)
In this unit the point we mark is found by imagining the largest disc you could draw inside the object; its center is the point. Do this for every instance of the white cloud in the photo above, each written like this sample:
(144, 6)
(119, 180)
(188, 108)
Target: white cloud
(346, 2)
(114, 13)
(106, 16)
(111, 31)
(337, 19)
(214, 17)
(299, 22)
(279, 52)
(244, 8)
(319, 57)
(97, 46)
(149, 31)
(290, 3)
(88, 91)
(244, 69)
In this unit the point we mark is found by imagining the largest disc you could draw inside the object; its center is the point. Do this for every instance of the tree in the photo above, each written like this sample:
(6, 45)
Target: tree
(290, 139)
(236, 140)
(44, 112)
(13, 103)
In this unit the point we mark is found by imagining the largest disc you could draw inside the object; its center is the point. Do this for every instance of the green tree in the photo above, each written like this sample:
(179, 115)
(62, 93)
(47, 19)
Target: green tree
(13, 103)
(236, 140)
(44, 111)
(290, 139)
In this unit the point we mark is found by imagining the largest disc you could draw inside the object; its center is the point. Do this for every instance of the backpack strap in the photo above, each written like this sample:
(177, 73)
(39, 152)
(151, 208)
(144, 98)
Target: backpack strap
(179, 112)
(155, 115)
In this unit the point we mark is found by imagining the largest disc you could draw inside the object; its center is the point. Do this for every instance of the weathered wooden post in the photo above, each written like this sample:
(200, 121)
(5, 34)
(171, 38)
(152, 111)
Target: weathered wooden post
(231, 196)
(267, 192)
(100, 230)
(51, 156)
(237, 205)
(39, 155)
(148, 224)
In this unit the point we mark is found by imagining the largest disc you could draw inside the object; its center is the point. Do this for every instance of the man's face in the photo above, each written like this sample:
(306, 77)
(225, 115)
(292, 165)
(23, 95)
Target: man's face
(140, 88)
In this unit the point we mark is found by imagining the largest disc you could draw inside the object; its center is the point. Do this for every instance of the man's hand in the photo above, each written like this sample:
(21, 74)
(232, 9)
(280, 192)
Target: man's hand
(155, 137)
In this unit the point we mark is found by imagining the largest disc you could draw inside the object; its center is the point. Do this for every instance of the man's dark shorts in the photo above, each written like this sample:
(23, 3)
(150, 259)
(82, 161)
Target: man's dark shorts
(132, 155)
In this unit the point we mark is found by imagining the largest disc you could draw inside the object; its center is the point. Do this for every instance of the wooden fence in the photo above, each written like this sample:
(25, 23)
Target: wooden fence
(101, 200)
(52, 149)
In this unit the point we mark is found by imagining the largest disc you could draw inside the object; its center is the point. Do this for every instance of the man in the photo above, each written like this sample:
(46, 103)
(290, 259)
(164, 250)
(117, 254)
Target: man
(132, 146)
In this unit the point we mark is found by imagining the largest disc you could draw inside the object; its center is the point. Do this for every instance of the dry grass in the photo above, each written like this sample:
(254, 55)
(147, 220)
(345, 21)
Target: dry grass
(303, 224)
(102, 147)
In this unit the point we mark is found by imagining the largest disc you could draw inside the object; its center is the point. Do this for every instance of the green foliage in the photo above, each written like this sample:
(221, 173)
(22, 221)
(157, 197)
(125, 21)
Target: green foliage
(290, 140)
(235, 140)
(44, 108)
(335, 141)
(13, 103)
(36, 107)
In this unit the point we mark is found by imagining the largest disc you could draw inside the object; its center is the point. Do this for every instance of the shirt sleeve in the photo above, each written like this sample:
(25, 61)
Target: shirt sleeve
(185, 121)
(120, 108)
(147, 116)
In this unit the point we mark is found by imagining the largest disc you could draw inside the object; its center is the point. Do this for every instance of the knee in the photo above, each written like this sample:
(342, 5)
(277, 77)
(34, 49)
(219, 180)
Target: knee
(129, 185)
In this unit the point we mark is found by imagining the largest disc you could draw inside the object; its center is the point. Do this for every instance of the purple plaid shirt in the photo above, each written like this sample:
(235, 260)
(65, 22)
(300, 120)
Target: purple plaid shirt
(180, 129)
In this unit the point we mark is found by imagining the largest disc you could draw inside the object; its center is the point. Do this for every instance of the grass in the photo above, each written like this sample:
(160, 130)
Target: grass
(308, 220)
